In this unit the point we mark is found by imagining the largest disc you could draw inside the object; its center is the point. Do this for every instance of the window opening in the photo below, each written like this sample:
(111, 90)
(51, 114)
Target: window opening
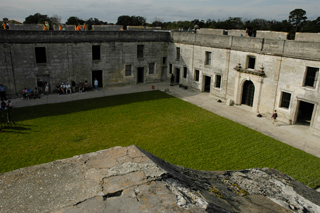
(218, 81)
(185, 71)
(285, 100)
(41, 56)
(208, 58)
(251, 62)
(95, 52)
(128, 70)
(151, 68)
(311, 77)
(140, 51)
(196, 75)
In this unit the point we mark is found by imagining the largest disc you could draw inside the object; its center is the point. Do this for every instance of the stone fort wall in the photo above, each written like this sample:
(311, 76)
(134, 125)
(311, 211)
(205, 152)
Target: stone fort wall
(69, 57)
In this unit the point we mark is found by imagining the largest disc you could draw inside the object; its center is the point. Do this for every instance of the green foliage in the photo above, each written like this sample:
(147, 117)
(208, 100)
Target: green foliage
(167, 127)
(131, 20)
(74, 20)
(36, 19)
(297, 18)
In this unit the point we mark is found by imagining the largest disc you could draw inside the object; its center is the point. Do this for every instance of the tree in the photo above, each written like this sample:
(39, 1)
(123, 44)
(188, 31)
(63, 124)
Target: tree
(131, 20)
(74, 20)
(94, 21)
(36, 19)
(297, 18)
(312, 26)
(157, 22)
(55, 19)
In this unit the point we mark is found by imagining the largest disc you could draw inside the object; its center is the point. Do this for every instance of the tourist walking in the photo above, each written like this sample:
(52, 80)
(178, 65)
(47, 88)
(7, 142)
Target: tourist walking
(274, 117)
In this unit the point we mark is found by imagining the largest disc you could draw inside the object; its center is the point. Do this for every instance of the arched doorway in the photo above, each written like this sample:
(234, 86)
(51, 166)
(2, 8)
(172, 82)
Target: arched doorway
(248, 93)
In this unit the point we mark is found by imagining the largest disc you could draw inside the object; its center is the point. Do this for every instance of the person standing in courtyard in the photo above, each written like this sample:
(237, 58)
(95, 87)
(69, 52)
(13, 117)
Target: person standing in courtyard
(2, 92)
(274, 117)
(96, 83)
(172, 79)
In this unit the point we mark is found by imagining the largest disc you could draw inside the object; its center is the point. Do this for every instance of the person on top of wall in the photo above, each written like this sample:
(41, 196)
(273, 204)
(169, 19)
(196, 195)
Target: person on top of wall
(5, 26)
(60, 27)
(44, 27)
(77, 27)
(84, 27)
(47, 25)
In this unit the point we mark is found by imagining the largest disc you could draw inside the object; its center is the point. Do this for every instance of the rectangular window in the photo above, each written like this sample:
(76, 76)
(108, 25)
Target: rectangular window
(217, 83)
(196, 75)
(95, 52)
(128, 70)
(170, 68)
(140, 51)
(41, 56)
(208, 58)
(285, 100)
(164, 60)
(178, 53)
(185, 71)
(251, 62)
(311, 77)
(151, 68)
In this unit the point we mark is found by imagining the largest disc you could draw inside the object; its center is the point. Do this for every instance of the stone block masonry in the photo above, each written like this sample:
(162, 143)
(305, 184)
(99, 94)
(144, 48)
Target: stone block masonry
(123, 179)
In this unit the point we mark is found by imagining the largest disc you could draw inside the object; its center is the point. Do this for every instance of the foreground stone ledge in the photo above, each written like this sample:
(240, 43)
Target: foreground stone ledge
(129, 179)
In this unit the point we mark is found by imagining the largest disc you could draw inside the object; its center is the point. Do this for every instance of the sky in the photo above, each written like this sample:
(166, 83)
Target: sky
(162, 10)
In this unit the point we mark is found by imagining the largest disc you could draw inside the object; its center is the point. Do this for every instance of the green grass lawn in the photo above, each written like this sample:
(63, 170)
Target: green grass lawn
(167, 127)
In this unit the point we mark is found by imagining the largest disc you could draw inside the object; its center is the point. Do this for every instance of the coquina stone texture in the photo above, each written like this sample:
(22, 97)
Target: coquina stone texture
(129, 179)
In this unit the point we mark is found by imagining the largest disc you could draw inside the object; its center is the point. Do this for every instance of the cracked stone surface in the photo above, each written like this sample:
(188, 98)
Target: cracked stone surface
(129, 179)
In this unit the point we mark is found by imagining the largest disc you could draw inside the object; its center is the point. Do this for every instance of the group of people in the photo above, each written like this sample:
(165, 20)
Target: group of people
(73, 87)
(5, 105)
(41, 88)
(77, 27)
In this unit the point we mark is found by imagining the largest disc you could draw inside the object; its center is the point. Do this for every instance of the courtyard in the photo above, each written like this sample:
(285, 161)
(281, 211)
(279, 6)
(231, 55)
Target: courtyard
(171, 128)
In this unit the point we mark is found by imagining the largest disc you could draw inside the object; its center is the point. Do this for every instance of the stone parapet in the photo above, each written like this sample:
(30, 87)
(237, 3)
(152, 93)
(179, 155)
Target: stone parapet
(123, 179)
(12, 36)
(313, 37)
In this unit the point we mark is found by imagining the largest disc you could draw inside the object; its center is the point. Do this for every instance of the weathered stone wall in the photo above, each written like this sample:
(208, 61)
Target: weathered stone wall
(71, 59)
(272, 35)
(210, 31)
(138, 28)
(283, 62)
(106, 27)
(313, 37)
(26, 26)
(238, 33)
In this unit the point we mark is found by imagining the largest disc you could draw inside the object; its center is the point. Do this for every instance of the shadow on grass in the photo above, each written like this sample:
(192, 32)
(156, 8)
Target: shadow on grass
(27, 113)
(16, 129)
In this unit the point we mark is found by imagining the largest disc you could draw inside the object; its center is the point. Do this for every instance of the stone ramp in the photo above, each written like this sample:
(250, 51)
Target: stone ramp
(129, 179)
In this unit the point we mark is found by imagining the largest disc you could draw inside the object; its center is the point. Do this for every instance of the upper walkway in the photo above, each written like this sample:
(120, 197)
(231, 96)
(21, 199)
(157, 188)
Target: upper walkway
(298, 136)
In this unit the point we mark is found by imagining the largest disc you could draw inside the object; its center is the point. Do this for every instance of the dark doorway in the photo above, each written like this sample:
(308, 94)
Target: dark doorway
(164, 74)
(305, 113)
(97, 74)
(45, 79)
(140, 75)
(177, 75)
(207, 82)
(248, 93)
